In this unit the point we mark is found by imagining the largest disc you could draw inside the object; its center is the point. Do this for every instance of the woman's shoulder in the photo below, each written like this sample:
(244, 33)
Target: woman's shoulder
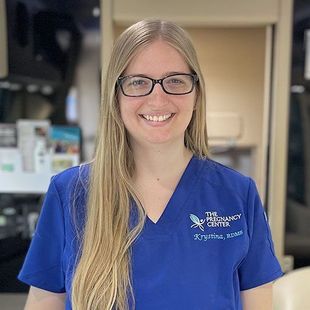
(72, 178)
(81, 170)
(224, 177)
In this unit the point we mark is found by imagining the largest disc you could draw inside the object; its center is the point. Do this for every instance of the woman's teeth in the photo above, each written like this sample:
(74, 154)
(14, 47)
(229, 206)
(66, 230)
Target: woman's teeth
(156, 118)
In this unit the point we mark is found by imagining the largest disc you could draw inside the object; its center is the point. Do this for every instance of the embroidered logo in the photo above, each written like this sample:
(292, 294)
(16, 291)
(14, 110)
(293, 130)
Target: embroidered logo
(213, 219)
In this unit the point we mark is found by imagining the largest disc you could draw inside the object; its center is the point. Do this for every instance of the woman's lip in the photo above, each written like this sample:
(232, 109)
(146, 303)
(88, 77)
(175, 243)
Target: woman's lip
(157, 123)
(156, 114)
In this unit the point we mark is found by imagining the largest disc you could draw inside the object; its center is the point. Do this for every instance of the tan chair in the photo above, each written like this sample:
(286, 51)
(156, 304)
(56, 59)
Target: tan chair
(292, 291)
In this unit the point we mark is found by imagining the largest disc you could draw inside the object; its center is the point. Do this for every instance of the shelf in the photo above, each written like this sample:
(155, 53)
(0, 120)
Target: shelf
(24, 183)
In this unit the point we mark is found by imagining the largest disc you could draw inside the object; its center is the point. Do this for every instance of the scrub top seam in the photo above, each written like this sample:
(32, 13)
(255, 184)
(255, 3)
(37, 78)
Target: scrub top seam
(53, 183)
(246, 209)
(247, 227)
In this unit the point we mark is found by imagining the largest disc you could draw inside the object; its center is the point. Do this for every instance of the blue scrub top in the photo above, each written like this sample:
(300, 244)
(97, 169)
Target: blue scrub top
(211, 242)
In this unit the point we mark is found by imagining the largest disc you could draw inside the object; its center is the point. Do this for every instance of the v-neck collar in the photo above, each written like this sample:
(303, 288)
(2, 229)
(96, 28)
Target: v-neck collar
(177, 201)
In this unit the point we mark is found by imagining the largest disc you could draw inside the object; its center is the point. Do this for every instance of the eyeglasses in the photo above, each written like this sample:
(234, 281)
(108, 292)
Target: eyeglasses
(174, 84)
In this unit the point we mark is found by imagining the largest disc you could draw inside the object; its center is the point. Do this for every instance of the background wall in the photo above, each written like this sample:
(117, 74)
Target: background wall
(87, 82)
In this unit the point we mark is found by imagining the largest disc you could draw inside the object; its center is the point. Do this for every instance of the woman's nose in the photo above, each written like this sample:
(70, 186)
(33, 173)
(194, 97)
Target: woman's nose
(158, 96)
(158, 88)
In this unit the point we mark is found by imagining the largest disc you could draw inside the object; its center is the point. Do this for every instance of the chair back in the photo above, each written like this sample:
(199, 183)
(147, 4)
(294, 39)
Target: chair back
(292, 291)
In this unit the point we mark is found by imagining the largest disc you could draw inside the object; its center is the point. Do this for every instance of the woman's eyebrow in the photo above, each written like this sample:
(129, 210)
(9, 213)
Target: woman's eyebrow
(162, 75)
(175, 72)
(136, 74)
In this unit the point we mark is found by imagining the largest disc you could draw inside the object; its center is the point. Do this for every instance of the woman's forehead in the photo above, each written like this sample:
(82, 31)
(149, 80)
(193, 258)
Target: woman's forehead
(158, 58)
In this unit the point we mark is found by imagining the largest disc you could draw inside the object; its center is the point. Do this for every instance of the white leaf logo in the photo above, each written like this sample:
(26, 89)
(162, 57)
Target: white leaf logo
(197, 222)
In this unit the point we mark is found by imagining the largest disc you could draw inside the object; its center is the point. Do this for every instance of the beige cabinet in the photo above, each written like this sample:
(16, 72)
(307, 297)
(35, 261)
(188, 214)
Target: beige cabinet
(244, 49)
(198, 12)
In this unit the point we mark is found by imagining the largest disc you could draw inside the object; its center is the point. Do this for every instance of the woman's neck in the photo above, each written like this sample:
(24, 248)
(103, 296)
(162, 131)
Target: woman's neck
(160, 162)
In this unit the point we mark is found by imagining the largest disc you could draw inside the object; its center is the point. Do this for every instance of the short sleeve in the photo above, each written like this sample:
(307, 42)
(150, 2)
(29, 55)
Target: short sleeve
(260, 265)
(42, 267)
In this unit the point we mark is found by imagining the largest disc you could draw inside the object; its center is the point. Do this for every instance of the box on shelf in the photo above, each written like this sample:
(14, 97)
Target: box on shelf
(32, 140)
(65, 147)
(8, 136)
(10, 160)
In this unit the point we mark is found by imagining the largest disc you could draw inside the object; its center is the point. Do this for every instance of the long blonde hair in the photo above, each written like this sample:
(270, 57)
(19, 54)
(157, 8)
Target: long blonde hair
(102, 278)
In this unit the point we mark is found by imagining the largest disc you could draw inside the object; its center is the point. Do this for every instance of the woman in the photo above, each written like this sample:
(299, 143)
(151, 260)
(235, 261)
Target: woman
(158, 225)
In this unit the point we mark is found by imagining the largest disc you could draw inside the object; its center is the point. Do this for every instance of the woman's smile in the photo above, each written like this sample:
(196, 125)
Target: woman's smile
(157, 118)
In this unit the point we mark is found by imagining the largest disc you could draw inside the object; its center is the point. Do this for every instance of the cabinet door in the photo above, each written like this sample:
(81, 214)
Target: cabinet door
(201, 12)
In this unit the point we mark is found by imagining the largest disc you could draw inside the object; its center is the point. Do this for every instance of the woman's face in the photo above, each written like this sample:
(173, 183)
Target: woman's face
(157, 118)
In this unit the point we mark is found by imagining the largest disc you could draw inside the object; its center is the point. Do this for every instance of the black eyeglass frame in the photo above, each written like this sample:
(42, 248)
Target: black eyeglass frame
(157, 81)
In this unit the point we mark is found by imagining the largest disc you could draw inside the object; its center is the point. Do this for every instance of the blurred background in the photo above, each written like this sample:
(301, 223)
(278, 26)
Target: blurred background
(255, 56)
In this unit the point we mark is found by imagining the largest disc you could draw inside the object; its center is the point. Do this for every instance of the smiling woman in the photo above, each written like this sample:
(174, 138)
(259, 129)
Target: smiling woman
(125, 231)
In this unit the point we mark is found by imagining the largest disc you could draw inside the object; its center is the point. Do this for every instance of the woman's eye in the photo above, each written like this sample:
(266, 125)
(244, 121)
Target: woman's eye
(176, 81)
(137, 82)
